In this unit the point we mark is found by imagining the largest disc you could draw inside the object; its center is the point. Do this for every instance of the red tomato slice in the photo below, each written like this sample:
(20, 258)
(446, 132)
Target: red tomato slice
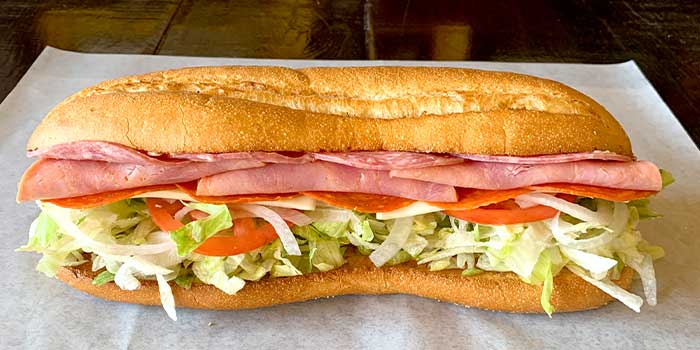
(245, 236)
(507, 213)
(162, 213)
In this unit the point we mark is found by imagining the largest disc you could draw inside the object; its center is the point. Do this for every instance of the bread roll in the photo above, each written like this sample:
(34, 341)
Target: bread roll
(423, 109)
(498, 291)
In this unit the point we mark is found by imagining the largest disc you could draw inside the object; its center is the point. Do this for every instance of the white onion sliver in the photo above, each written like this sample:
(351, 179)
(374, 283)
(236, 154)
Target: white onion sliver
(294, 216)
(329, 215)
(283, 231)
(394, 241)
(632, 301)
(556, 227)
(182, 212)
(523, 204)
(572, 209)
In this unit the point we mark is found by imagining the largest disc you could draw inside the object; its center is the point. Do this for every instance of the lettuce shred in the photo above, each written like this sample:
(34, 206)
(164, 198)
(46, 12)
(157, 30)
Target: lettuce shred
(121, 241)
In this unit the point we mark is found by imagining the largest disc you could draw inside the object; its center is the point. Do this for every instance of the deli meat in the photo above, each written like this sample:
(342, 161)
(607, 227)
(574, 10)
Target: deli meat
(639, 175)
(60, 178)
(388, 160)
(116, 153)
(548, 159)
(98, 151)
(321, 176)
(267, 157)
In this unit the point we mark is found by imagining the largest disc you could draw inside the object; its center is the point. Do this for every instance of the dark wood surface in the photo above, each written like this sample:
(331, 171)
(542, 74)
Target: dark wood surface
(663, 37)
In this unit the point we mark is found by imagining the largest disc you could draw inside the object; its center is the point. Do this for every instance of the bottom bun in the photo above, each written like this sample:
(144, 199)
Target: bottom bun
(498, 291)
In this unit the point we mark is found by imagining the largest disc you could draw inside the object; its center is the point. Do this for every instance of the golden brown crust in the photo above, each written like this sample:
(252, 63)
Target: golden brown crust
(226, 109)
(491, 290)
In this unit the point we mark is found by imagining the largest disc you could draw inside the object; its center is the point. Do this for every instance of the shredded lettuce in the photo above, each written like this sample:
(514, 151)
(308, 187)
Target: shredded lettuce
(193, 234)
(102, 278)
(592, 238)
(211, 270)
(666, 178)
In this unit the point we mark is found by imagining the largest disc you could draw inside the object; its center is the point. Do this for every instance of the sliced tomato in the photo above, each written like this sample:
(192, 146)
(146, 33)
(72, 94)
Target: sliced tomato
(162, 212)
(506, 213)
(245, 236)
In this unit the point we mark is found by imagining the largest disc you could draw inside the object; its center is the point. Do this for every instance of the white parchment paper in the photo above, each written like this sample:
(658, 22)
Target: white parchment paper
(41, 313)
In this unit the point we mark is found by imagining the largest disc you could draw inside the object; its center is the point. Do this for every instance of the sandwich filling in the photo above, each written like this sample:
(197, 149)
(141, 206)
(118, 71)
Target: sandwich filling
(231, 219)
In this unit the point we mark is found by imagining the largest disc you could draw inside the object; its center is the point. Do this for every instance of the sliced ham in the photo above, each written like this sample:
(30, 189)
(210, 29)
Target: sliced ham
(54, 178)
(266, 157)
(321, 176)
(98, 151)
(640, 175)
(116, 153)
(548, 159)
(388, 160)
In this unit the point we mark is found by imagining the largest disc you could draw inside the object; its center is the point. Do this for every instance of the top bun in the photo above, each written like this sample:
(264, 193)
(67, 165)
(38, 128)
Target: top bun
(250, 108)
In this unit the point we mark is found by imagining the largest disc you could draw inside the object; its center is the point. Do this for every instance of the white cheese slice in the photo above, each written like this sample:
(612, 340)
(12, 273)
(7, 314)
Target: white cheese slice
(415, 208)
(299, 203)
(167, 194)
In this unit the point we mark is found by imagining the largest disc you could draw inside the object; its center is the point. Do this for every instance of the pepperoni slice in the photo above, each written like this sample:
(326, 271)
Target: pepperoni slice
(190, 188)
(470, 198)
(611, 194)
(364, 202)
(95, 200)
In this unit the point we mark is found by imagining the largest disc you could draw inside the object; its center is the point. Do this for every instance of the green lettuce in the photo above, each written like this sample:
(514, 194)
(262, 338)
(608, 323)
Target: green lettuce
(102, 278)
(123, 240)
(190, 236)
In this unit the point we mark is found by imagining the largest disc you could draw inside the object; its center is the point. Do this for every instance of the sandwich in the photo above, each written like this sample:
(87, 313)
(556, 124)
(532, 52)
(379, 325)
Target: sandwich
(244, 187)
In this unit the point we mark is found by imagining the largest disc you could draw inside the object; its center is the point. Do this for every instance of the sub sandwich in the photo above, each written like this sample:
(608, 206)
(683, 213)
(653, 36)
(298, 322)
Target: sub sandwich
(244, 187)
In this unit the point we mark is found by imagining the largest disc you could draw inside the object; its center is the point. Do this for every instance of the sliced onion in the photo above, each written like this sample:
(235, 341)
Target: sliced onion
(394, 241)
(180, 214)
(329, 215)
(294, 216)
(283, 231)
(562, 205)
(632, 301)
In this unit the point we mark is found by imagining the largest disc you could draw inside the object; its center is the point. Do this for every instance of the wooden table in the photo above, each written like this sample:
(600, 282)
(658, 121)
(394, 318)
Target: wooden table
(663, 37)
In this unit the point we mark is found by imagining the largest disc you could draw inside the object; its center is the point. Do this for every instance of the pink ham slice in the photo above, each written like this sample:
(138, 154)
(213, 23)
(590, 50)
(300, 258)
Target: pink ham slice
(639, 175)
(99, 151)
(547, 159)
(388, 160)
(53, 178)
(116, 153)
(266, 157)
(321, 176)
